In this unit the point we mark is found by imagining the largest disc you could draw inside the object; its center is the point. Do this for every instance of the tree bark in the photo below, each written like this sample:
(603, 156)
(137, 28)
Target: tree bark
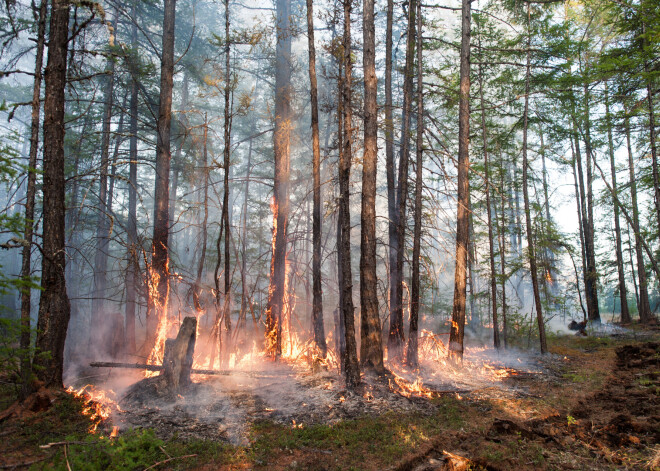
(157, 320)
(412, 350)
(390, 168)
(396, 337)
(26, 265)
(352, 368)
(205, 183)
(592, 272)
(463, 210)
(281, 144)
(491, 243)
(528, 217)
(644, 306)
(317, 302)
(98, 336)
(371, 345)
(226, 164)
(54, 307)
(132, 256)
(623, 293)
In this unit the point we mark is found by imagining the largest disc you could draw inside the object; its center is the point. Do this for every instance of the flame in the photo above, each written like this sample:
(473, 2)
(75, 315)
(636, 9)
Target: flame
(98, 404)
(164, 322)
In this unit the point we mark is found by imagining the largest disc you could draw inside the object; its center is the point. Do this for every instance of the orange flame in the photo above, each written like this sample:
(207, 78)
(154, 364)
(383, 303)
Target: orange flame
(98, 404)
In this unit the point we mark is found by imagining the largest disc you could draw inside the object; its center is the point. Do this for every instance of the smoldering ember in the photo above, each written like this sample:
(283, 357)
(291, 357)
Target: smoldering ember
(329, 235)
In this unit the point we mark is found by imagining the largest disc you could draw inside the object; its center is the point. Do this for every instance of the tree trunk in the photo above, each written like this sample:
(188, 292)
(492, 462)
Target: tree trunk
(390, 169)
(317, 303)
(133, 259)
(463, 210)
(371, 345)
(244, 296)
(54, 307)
(491, 243)
(281, 144)
(592, 272)
(226, 164)
(352, 369)
(502, 246)
(623, 293)
(396, 337)
(26, 266)
(205, 183)
(411, 353)
(528, 217)
(157, 320)
(644, 306)
(98, 336)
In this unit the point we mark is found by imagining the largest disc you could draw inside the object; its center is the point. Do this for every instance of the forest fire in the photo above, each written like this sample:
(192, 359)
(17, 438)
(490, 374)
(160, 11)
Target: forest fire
(99, 404)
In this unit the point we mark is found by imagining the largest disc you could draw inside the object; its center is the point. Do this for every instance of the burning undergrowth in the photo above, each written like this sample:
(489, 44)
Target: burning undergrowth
(297, 391)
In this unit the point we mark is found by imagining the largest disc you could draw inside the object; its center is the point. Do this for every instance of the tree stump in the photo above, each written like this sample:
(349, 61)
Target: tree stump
(178, 356)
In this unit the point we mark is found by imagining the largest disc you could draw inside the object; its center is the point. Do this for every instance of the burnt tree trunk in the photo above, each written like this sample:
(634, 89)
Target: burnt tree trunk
(317, 302)
(371, 342)
(463, 211)
(157, 320)
(26, 265)
(54, 307)
(281, 145)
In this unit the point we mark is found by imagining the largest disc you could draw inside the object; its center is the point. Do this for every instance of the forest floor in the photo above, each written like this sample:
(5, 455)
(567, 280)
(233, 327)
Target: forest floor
(591, 404)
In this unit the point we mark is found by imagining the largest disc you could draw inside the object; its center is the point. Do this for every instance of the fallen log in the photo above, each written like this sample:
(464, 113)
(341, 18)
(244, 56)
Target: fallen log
(194, 371)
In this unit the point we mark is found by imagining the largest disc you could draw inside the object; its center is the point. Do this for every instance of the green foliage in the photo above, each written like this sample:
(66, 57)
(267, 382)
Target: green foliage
(135, 450)
(11, 353)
